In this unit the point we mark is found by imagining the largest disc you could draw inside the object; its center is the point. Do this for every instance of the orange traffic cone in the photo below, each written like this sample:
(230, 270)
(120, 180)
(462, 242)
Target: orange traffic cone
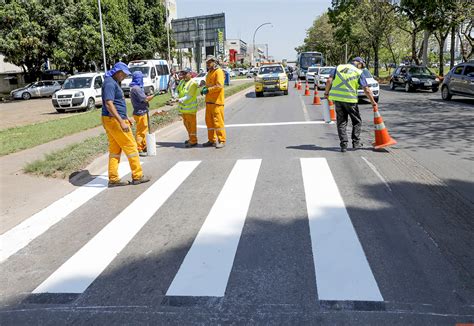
(382, 138)
(296, 84)
(316, 99)
(299, 84)
(306, 90)
(332, 111)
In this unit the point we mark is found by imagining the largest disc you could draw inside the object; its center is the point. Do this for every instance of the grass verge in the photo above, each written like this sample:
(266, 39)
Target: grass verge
(19, 138)
(62, 163)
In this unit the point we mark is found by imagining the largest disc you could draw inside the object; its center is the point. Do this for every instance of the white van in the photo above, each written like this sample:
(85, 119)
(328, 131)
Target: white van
(155, 75)
(79, 92)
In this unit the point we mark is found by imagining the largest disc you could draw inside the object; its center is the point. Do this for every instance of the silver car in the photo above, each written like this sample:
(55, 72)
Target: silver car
(42, 88)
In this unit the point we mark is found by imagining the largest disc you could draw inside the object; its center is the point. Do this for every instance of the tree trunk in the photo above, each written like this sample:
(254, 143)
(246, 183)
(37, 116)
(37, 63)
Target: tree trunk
(463, 50)
(413, 48)
(453, 40)
(426, 37)
(376, 59)
(441, 56)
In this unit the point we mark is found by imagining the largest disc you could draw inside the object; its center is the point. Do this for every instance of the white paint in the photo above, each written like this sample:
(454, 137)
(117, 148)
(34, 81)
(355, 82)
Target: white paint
(377, 173)
(21, 235)
(77, 273)
(269, 124)
(305, 109)
(342, 270)
(207, 266)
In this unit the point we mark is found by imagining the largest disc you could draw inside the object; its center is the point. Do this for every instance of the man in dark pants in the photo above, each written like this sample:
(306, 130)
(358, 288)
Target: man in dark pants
(341, 87)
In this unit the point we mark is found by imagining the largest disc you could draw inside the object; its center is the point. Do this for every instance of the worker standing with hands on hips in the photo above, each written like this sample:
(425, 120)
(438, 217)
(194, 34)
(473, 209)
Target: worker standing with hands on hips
(140, 103)
(117, 125)
(188, 91)
(214, 91)
(341, 87)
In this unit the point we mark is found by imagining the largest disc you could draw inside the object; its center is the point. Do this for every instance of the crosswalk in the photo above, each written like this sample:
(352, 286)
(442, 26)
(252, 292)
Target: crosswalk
(342, 271)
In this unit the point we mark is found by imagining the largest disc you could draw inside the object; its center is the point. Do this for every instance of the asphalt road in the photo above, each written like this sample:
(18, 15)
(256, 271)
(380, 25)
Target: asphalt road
(278, 227)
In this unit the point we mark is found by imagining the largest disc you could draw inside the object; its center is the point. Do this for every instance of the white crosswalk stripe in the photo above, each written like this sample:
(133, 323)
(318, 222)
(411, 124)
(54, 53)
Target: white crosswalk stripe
(341, 267)
(76, 274)
(20, 236)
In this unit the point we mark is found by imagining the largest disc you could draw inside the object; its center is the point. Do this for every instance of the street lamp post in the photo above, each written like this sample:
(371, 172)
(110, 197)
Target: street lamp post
(102, 37)
(203, 26)
(168, 31)
(253, 48)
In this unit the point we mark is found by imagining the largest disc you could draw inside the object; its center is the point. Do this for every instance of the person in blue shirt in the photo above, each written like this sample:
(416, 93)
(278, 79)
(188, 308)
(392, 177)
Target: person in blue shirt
(140, 103)
(341, 87)
(117, 126)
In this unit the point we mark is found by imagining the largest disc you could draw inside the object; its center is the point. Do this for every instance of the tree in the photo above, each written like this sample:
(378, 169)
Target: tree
(414, 11)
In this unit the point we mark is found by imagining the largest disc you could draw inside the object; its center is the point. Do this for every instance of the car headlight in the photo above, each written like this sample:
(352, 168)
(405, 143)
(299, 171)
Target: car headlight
(79, 94)
(259, 80)
(283, 79)
(415, 80)
(437, 79)
(375, 85)
(54, 95)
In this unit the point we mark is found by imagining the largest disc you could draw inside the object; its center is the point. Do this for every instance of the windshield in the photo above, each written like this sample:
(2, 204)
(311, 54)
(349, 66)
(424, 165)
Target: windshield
(271, 70)
(420, 71)
(144, 70)
(78, 82)
(326, 71)
(310, 59)
(312, 69)
(366, 73)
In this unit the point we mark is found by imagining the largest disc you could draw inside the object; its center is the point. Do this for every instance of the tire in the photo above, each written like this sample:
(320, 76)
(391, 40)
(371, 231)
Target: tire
(407, 87)
(435, 89)
(151, 90)
(259, 94)
(90, 104)
(26, 96)
(445, 94)
(285, 92)
(60, 110)
(392, 85)
(376, 99)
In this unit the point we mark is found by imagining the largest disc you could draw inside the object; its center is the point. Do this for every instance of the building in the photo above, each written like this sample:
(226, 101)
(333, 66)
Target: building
(11, 76)
(235, 51)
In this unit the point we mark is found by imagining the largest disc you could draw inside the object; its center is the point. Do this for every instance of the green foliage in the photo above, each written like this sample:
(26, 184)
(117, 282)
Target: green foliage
(67, 32)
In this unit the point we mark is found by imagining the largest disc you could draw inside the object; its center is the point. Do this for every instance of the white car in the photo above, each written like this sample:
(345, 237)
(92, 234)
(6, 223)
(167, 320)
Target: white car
(79, 92)
(201, 79)
(322, 76)
(231, 72)
(373, 85)
(310, 74)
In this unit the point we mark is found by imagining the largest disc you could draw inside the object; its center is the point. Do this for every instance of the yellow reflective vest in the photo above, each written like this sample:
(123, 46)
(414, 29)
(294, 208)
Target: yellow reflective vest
(345, 84)
(190, 90)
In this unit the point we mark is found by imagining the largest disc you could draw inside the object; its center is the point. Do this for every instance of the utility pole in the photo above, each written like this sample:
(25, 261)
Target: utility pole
(102, 37)
(168, 31)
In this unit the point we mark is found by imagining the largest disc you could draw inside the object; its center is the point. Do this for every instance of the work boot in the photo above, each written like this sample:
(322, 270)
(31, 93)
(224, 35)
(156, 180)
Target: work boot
(220, 145)
(118, 183)
(208, 144)
(143, 179)
(189, 145)
(343, 149)
(357, 145)
(186, 142)
(142, 153)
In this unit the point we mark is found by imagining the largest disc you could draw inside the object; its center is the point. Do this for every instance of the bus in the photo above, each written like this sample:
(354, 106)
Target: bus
(306, 60)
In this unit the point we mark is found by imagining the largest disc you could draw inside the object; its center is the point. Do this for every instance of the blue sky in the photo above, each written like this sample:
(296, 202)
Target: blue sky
(290, 19)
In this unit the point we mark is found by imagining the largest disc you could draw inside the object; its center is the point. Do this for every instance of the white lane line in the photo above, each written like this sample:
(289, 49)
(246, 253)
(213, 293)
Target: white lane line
(305, 109)
(79, 271)
(269, 124)
(377, 173)
(207, 265)
(21, 235)
(342, 270)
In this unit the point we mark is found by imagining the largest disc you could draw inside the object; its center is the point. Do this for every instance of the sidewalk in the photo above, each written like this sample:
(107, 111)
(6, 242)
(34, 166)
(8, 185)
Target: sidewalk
(22, 195)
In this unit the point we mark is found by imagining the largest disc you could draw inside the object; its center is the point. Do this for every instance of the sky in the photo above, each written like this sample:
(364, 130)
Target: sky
(290, 20)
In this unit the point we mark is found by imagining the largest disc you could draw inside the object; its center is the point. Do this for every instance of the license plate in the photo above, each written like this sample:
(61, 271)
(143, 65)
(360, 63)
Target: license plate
(271, 86)
(427, 83)
(64, 101)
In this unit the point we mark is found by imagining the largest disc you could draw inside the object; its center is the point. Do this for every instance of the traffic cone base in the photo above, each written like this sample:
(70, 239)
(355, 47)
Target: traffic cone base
(316, 99)
(306, 90)
(382, 137)
(332, 111)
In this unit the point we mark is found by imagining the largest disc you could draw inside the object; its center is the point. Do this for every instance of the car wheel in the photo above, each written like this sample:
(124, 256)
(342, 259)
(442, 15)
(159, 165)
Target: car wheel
(434, 89)
(151, 90)
(407, 87)
(392, 85)
(445, 94)
(90, 104)
(376, 99)
(258, 94)
(26, 96)
(285, 92)
(60, 110)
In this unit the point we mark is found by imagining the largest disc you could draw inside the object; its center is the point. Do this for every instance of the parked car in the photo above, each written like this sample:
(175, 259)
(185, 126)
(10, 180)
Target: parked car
(79, 92)
(42, 88)
(373, 85)
(414, 77)
(155, 75)
(312, 71)
(200, 79)
(231, 72)
(459, 81)
(240, 71)
(322, 76)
